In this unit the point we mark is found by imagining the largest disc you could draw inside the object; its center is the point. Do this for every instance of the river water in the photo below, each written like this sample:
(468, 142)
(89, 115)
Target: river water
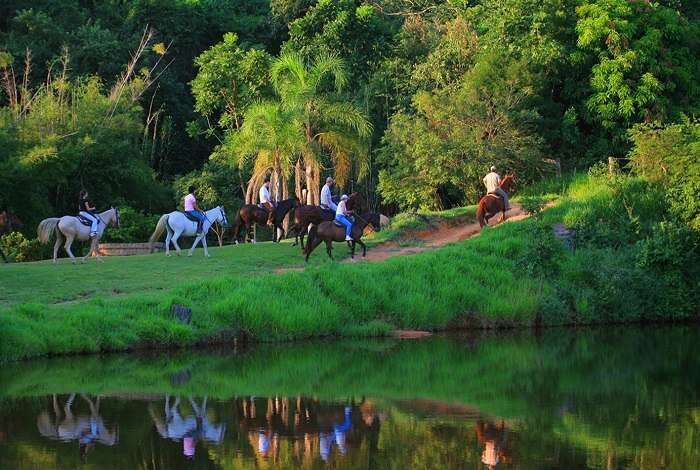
(598, 398)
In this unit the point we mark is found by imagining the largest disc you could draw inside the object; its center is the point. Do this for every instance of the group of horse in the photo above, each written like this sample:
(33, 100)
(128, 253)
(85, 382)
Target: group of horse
(315, 221)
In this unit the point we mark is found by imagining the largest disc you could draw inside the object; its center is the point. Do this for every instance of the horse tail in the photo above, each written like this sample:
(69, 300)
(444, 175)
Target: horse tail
(160, 228)
(46, 228)
(481, 212)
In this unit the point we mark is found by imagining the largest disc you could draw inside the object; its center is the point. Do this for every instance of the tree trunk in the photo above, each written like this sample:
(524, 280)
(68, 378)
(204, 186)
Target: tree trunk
(285, 196)
(309, 183)
(297, 181)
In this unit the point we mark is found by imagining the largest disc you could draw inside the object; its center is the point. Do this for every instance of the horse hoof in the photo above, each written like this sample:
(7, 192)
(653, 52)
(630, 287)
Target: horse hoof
(189, 255)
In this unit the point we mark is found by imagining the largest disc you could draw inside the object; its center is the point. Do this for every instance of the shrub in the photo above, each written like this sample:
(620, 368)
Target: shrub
(135, 226)
(19, 249)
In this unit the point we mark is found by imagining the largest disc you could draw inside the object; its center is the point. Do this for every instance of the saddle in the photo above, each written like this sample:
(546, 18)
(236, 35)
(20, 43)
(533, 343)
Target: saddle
(85, 221)
(190, 217)
(495, 195)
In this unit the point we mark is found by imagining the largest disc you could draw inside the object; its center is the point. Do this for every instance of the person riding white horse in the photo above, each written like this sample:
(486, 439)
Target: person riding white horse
(192, 208)
(177, 224)
(70, 228)
(87, 211)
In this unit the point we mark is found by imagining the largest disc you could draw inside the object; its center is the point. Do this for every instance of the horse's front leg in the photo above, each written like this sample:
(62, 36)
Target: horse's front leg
(197, 239)
(206, 247)
(95, 249)
(364, 247)
(176, 235)
(67, 245)
(329, 248)
(352, 249)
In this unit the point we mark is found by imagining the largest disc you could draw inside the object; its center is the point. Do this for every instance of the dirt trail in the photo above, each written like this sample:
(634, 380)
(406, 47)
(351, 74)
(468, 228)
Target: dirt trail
(435, 238)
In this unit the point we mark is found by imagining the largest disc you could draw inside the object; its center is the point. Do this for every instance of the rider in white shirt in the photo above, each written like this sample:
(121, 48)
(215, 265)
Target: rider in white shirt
(341, 215)
(492, 181)
(327, 196)
(266, 200)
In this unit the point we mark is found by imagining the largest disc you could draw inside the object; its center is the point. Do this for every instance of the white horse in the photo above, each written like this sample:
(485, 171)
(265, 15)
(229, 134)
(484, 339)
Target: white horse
(70, 228)
(177, 224)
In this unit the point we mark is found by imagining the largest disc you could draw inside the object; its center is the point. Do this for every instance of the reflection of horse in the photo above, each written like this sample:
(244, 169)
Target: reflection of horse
(189, 429)
(176, 223)
(8, 223)
(492, 204)
(493, 437)
(329, 232)
(72, 228)
(66, 427)
(307, 214)
(251, 214)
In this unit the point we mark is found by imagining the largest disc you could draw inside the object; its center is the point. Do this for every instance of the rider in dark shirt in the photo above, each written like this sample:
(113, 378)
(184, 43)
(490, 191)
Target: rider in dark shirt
(86, 209)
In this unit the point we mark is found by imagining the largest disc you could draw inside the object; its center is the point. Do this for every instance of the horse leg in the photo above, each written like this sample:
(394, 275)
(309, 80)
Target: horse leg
(94, 249)
(176, 235)
(57, 245)
(206, 247)
(67, 245)
(303, 230)
(364, 247)
(329, 248)
(352, 249)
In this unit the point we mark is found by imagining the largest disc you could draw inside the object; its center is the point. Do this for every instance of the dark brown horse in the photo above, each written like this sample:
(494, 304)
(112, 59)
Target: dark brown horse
(251, 214)
(307, 215)
(329, 232)
(492, 204)
(8, 223)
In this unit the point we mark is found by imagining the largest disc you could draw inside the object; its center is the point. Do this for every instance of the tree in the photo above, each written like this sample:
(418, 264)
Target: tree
(330, 125)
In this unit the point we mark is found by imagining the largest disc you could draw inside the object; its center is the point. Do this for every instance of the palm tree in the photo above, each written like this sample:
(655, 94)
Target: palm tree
(269, 136)
(327, 124)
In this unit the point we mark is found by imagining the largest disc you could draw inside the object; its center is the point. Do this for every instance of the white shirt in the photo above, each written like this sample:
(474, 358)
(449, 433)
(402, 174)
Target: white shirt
(341, 209)
(327, 198)
(264, 195)
(492, 182)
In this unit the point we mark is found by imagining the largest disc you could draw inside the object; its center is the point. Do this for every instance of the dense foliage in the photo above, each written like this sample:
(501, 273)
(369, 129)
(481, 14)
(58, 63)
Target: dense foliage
(433, 92)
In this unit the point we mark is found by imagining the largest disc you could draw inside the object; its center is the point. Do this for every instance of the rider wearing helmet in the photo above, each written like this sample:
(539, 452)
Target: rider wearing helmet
(341, 215)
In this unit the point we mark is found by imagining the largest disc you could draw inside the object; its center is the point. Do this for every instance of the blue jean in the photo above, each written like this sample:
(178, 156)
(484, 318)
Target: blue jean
(91, 218)
(503, 195)
(345, 221)
(200, 217)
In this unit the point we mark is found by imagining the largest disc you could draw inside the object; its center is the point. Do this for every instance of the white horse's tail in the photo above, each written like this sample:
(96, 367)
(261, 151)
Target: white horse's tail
(160, 228)
(46, 228)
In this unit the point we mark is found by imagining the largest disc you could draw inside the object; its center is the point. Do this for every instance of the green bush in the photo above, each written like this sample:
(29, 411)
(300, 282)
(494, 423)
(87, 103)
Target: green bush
(134, 227)
(17, 248)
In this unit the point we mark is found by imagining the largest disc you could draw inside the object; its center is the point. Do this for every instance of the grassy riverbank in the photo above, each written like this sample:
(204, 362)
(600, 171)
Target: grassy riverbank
(514, 275)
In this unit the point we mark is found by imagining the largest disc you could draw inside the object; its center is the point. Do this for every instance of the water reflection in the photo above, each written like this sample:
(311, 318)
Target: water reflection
(194, 427)
(86, 429)
(595, 399)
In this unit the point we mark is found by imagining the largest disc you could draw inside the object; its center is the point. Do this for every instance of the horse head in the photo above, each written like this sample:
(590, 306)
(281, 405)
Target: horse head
(356, 201)
(224, 219)
(508, 183)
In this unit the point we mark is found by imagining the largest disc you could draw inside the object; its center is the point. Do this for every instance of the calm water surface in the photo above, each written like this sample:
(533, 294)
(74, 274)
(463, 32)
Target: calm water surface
(604, 398)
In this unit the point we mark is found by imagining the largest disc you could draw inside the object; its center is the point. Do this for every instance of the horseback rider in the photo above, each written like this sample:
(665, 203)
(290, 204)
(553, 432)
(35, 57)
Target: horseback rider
(326, 195)
(341, 215)
(266, 200)
(193, 209)
(492, 181)
(87, 211)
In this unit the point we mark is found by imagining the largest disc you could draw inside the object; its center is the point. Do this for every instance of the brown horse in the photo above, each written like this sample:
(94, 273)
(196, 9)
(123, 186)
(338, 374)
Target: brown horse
(8, 223)
(251, 214)
(307, 215)
(491, 204)
(329, 232)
